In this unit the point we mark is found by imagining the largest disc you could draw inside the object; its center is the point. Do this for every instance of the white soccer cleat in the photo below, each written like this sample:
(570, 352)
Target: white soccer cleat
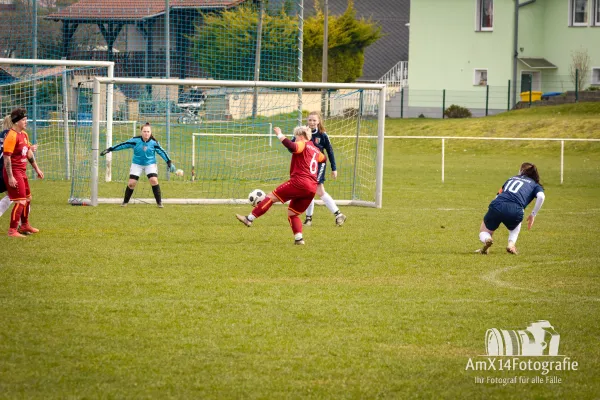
(484, 250)
(308, 221)
(340, 219)
(511, 248)
(299, 242)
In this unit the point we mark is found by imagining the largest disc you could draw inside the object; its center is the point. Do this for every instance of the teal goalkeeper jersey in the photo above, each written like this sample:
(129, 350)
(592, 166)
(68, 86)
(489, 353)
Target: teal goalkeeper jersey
(144, 153)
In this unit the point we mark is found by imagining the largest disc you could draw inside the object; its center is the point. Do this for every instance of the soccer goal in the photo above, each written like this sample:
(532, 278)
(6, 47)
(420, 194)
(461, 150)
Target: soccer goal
(57, 96)
(228, 150)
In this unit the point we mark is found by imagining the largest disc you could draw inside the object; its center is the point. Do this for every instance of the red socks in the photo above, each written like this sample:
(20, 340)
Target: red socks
(25, 214)
(295, 223)
(15, 215)
(262, 207)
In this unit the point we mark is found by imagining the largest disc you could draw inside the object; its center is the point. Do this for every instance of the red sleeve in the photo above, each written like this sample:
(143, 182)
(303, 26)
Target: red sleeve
(294, 147)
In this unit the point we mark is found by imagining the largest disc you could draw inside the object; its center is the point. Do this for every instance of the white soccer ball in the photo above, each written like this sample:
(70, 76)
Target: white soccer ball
(256, 196)
(179, 172)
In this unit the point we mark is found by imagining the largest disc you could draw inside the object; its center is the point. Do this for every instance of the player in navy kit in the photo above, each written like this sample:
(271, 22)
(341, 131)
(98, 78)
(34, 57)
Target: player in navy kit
(145, 147)
(302, 186)
(509, 206)
(321, 140)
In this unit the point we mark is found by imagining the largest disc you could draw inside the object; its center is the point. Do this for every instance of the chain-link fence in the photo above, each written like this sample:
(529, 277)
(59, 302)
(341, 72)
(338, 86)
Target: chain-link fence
(533, 90)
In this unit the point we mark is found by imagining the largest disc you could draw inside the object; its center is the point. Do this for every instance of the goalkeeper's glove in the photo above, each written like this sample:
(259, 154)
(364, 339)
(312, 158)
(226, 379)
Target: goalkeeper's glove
(106, 151)
(171, 166)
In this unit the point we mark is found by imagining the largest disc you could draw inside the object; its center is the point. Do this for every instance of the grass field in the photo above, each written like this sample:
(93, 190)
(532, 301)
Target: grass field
(185, 302)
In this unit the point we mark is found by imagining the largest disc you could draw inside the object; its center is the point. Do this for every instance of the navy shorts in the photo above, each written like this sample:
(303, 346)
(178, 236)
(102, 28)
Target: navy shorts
(509, 214)
(321, 173)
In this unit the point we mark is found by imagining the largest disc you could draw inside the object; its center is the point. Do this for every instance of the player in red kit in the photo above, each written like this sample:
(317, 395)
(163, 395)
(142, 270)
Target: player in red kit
(302, 186)
(16, 153)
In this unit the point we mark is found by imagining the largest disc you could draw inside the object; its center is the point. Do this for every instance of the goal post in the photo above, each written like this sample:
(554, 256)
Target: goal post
(226, 139)
(47, 89)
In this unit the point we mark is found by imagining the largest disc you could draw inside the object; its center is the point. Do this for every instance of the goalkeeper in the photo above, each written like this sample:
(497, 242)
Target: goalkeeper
(144, 148)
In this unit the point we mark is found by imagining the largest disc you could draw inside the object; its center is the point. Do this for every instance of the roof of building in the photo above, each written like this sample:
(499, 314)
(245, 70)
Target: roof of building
(537, 63)
(132, 10)
(393, 17)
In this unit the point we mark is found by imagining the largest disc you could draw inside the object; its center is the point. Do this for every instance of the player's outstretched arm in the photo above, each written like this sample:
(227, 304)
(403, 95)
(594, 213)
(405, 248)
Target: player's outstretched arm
(540, 197)
(292, 146)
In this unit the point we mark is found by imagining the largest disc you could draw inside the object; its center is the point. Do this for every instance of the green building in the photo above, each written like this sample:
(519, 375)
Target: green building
(467, 47)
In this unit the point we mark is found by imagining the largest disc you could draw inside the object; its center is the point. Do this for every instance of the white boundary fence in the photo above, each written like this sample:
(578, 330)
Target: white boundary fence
(444, 138)
(109, 65)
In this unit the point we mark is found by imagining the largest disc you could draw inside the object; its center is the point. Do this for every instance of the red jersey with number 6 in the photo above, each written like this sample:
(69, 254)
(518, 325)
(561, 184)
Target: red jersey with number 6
(305, 163)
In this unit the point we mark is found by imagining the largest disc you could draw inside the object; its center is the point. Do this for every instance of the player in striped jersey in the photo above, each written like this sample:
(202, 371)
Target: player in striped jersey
(302, 186)
(508, 207)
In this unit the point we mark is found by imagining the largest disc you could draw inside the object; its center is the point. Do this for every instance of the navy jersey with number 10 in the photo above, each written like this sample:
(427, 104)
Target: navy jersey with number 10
(520, 190)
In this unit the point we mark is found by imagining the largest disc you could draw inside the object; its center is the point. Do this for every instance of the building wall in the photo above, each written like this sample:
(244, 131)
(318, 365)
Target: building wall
(445, 48)
(561, 40)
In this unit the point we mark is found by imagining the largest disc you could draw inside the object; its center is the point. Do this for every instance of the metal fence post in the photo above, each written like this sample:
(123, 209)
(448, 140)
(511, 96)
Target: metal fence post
(443, 158)
(487, 99)
(508, 103)
(443, 103)
(402, 103)
(562, 160)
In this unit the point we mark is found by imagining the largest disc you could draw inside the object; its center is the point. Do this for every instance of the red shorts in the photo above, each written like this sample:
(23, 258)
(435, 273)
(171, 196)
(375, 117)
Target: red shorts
(299, 194)
(21, 192)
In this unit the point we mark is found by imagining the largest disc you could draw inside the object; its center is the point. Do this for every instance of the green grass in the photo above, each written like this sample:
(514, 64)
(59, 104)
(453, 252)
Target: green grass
(185, 302)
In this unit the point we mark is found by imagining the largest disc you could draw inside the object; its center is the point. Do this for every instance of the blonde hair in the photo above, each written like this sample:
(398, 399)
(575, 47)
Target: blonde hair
(303, 131)
(7, 123)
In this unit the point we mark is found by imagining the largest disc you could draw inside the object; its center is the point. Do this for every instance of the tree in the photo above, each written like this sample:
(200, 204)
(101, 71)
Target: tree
(348, 39)
(225, 43)
(580, 68)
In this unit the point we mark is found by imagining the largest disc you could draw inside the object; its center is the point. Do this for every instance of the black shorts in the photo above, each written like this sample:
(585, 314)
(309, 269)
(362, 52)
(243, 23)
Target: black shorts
(509, 214)
(321, 173)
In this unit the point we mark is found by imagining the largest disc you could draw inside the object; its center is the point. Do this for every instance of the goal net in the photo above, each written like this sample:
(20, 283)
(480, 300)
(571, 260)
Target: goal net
(58, 97)
(220, 133)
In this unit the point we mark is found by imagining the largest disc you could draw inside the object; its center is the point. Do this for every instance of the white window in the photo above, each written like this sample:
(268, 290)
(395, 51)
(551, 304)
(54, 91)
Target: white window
(480, 77)
(485, 15)
(596, 76)
(578, 12)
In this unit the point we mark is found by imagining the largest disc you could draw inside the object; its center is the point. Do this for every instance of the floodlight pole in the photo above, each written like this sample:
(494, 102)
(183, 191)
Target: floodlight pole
(168, 75)
(325, 58)
(35, 56)
(259, 28)
(300, 56)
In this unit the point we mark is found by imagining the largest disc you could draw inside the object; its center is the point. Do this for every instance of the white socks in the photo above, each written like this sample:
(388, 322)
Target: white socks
(514, 234)
(298, 236)
(310, 209)
(483, 236)
(4, 204)
(329, 202)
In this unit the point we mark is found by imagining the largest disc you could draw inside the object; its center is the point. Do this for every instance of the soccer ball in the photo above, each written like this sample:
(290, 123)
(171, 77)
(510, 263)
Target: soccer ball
(179, 172)
(256, 196)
